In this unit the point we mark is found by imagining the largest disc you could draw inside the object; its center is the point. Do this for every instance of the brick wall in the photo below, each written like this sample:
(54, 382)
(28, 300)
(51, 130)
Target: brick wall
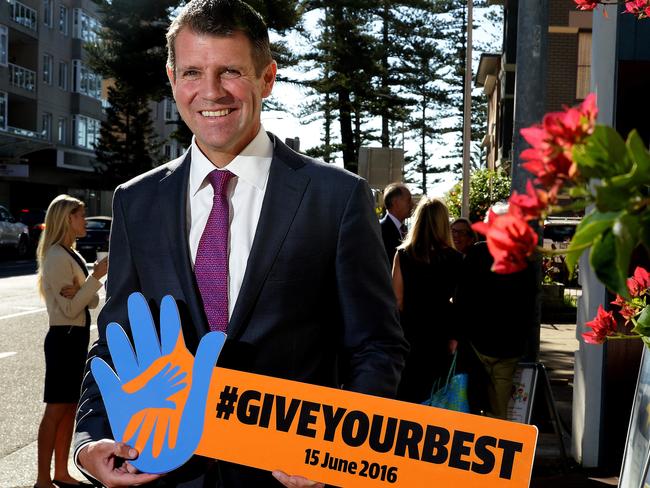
(558, 11)
(561, 71)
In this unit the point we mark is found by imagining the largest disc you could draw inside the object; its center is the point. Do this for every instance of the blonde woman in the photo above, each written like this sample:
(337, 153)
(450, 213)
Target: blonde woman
(425, 271)
(69, 291)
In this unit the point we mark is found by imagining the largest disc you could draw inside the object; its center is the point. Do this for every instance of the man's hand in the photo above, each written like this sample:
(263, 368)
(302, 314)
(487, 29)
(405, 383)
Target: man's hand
(108, 461)
(295, 481)
(147, 400)
(69, 291)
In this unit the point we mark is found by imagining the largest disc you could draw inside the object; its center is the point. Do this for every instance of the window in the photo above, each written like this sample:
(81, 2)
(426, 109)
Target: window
(583, 78)
(84, 26)
(4, 45)
(47, 68)
(23, 15)
(85, 81)
(171, 112)
(46, 126)
(63, 75)
(64, 22)
(61, 130)
(86, 131)
(48, 13)
(3, 110)
(168, 151)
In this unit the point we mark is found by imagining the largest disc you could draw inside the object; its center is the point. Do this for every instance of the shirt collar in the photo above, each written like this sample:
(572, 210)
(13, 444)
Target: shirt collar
(251, 165)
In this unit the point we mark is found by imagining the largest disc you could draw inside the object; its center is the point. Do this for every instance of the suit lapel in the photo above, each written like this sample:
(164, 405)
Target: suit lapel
(284, 192)
(172, 199)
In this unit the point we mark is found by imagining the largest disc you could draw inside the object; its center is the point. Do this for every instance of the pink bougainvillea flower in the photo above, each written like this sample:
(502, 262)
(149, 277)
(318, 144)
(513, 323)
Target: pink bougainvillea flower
(510, 240)
(532, 203)
(602, 326)
(550, 156)
(586, 4)
(638, 8)
(627, 309)
(639, 283)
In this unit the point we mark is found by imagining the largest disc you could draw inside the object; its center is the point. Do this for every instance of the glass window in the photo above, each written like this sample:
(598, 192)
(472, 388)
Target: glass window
(61, 130)
(86, 81)
(583, 78)
(23, 15)
(64, 23)
(4, 45)
(84, 26)
(47, 69)
(171, 113)
(46, 126)
(48, 12)
(86, 131)
(63, 75)
(3, 111)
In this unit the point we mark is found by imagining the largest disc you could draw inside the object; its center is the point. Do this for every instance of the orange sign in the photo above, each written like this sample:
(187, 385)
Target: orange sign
(169, 405)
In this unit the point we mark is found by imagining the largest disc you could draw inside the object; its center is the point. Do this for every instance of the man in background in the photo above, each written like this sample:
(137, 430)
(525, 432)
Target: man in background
(399, 205)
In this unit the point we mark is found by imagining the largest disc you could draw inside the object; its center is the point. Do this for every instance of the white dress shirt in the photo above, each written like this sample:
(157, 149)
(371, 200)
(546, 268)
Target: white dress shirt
(396, 221)
(245, 196)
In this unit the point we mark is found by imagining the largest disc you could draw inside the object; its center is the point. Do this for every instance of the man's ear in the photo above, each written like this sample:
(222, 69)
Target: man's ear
(171, 75)
(269, 78)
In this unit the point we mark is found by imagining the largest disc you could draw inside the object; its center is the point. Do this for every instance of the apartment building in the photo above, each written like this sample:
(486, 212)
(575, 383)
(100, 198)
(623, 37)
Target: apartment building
(50, 104)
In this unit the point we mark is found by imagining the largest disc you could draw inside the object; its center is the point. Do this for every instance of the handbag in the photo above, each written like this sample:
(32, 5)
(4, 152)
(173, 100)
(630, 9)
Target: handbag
(453, 395)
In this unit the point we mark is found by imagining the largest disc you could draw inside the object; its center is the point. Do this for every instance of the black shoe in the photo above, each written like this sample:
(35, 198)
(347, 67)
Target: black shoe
(63, 484)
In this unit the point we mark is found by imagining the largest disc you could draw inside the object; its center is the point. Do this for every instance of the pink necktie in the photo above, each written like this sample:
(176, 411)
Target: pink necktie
(211, 265)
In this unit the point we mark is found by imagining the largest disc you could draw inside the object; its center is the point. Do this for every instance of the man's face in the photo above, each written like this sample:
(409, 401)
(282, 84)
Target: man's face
(217, 92)
(402, 205)
(462, 236)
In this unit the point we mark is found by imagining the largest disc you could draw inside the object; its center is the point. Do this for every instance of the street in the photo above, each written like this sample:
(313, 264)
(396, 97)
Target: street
(23, 325)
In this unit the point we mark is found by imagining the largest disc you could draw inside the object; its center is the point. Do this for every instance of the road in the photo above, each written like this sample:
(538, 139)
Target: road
(23, 325)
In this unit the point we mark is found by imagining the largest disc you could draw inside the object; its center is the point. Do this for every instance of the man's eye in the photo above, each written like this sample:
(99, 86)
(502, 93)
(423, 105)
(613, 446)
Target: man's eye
(230, 74)
(190, 73)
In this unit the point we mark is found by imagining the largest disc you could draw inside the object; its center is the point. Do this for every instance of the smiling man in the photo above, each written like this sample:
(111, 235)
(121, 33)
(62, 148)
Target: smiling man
(281, 252)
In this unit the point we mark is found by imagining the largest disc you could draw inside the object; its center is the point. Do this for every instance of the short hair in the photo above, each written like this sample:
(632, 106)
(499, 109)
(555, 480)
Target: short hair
(222, 18)
(393, 191)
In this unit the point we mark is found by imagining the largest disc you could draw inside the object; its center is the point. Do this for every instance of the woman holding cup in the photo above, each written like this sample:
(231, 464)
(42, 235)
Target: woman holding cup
(69, 292)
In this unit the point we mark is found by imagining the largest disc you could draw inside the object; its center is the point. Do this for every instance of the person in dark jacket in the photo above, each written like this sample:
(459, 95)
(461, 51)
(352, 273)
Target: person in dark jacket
(399, 205)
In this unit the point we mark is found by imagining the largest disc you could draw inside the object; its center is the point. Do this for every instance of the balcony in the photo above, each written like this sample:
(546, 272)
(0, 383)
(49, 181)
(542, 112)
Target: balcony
(22, 77)
(23, 15)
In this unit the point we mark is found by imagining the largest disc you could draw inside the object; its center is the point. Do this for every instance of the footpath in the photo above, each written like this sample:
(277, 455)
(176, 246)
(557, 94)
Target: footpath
(558, 344)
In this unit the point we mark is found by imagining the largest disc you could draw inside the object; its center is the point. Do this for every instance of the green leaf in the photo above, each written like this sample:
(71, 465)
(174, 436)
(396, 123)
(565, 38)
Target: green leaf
(610, 198)
(604, 263)
(603, 154)
(643, 323)
(626, 231)
(590, 228)
(639, 153)
(644, 234)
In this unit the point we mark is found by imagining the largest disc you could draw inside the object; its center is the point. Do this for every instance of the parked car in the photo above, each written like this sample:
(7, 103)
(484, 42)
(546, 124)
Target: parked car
(34, 219)
(14, 235)
(558, 231)
(98, 230)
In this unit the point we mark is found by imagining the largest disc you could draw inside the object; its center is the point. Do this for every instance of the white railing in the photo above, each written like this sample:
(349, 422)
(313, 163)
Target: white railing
(22, 77)
(23, 15)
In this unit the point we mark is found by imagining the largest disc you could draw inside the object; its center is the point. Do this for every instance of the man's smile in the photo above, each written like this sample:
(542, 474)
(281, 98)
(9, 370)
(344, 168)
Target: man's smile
(216, 113)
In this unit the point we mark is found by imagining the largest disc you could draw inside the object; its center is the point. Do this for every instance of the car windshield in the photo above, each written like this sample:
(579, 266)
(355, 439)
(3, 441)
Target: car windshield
(97, 224)
(559, 233)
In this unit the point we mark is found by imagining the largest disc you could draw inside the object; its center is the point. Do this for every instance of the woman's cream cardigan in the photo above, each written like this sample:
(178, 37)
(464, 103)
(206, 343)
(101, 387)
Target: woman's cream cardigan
(59, 270)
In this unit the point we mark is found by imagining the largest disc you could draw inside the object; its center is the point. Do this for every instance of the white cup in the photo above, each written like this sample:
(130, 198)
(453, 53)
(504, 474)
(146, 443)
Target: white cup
(101, 255)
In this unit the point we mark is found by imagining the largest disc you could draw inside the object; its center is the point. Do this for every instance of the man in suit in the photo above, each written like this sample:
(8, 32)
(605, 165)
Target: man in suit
(399, 205)
(308, 291)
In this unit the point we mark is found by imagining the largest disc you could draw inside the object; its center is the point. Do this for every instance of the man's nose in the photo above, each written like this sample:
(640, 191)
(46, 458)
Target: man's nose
(213, 87)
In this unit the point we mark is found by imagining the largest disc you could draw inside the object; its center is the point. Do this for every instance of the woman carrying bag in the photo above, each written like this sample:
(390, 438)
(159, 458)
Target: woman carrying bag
(425, 273)
(69, 291)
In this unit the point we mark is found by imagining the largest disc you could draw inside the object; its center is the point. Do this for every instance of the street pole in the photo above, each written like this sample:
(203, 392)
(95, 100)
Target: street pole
(467, 111)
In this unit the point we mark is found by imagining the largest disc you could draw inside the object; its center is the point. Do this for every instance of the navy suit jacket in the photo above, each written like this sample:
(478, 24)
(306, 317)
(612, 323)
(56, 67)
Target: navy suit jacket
(316, 304)
(391, 237)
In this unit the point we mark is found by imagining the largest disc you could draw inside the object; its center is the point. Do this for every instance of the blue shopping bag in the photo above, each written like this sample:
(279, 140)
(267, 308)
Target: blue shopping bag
(453, 395)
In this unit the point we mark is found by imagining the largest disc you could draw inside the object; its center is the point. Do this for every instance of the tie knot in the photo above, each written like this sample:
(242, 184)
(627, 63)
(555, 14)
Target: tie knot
(219, 180)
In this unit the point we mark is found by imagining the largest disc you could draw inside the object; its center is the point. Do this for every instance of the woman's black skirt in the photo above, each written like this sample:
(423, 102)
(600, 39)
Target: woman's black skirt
(66, 348)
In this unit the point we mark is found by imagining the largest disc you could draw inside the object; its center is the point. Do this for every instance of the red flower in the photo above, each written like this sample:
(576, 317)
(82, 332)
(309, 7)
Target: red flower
(549, 158)
(510, 240)
(602, 326)
(586, 4)
(639, 283)
(532, 203)
(627, 310)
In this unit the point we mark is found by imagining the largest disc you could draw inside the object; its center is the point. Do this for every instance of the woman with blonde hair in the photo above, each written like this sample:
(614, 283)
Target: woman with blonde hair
(69, 291)
(425, 271)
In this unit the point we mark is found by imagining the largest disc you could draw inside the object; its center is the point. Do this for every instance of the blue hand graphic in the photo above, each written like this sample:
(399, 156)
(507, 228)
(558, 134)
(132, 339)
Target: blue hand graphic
(149, 406)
